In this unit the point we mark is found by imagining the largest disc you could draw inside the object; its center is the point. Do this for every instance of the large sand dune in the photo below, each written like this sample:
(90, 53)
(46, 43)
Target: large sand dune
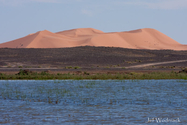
(136, 39)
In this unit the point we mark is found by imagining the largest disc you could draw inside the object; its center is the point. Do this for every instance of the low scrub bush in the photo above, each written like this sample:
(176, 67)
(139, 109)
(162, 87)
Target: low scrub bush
(24, 74)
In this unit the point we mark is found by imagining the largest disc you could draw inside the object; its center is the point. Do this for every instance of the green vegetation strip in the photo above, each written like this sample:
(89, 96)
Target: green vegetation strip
(133, 75)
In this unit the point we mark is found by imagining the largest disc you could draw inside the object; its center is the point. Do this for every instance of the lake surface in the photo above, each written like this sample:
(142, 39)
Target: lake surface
(132, 102)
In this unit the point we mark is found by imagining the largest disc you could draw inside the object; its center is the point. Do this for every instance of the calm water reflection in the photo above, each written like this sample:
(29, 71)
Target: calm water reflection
(93, 102)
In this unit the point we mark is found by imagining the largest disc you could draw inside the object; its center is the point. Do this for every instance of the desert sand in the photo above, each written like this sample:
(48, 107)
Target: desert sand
(137, 39)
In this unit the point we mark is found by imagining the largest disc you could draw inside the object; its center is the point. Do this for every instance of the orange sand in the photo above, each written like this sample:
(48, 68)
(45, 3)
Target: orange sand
(136, 39)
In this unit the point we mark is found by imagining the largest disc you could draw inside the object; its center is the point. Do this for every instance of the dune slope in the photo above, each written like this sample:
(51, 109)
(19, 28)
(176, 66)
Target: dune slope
(137, 39)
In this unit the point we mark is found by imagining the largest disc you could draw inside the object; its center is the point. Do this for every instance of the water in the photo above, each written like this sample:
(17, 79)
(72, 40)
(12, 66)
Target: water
(132, 102)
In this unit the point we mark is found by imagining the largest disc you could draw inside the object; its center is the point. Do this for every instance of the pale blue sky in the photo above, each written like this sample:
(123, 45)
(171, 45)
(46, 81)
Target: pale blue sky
(19, 18)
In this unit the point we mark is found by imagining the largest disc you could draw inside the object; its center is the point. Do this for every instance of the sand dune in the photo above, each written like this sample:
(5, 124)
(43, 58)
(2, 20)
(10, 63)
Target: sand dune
(137, 39)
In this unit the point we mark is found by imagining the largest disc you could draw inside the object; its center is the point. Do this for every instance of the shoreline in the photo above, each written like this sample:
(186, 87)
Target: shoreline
(84, 75)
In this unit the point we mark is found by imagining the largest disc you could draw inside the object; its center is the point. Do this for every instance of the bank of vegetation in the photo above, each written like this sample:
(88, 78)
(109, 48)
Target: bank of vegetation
(26, 74)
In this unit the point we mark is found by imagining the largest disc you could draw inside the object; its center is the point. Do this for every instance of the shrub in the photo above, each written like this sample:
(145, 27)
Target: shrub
(28, 67)
(44, 73)
(68, 67)
(24, 72)
(76, 67)
(86, 73)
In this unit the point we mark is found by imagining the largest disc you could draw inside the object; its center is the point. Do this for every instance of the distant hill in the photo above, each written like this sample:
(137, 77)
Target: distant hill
(137, 39)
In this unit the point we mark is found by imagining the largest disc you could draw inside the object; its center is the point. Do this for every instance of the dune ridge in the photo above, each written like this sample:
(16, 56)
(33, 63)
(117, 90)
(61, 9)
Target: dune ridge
(146, 38)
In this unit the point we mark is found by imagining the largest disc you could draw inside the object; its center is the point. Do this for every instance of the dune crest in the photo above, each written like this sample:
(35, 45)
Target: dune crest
(146, 38)
(80, 32)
